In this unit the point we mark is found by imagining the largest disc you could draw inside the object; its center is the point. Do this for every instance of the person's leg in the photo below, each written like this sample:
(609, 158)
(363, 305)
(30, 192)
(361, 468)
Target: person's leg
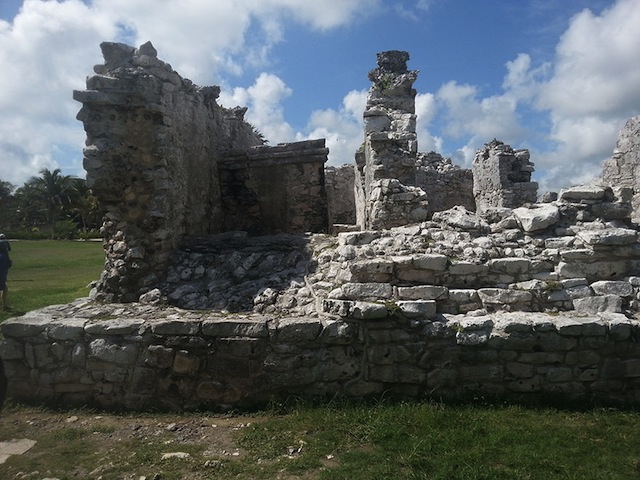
(3, 287)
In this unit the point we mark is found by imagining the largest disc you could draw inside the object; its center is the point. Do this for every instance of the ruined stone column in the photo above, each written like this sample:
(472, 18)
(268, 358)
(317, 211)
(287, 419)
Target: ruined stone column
(387, 173)
(502, 177)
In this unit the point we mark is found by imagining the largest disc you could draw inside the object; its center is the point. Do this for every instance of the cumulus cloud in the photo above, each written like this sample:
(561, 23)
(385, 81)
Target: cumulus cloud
(264, 102)
(342, 127)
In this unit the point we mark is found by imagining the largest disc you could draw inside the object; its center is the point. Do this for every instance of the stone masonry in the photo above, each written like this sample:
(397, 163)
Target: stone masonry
(623, 168)
(156, 144)
(502, 177)
(386, 168)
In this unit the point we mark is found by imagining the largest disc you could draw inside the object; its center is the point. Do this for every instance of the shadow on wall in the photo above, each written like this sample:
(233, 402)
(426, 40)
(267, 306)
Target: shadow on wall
(234, 272)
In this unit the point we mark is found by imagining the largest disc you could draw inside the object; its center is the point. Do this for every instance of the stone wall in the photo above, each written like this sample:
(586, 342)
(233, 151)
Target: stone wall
(502, 177)
(145, 357)
(155, 146)
(445, 184)
(340, 182)
(623, 168)
(279, 189)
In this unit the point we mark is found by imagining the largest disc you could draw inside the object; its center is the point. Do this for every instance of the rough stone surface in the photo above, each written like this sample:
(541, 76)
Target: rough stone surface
(502, 177)
(248, 360)
(623, 168)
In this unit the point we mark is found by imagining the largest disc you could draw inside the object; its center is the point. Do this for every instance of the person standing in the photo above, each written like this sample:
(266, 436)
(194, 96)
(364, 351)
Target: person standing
(5, 265)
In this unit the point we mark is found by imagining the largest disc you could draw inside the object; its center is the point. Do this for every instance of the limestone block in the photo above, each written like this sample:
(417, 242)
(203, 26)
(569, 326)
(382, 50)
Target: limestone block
(369, 311)
(593, 270)
(236, 327)
(374, 270)
(511, 266)
(67, 329)
(609, 236)
(338, 332)
(357, 291)
(582, 192)
(30, 325)
(502, 296)
(418, 308)
(463, 295)
(468, 268)
(114, 326)
(538, 217)
(435, 262)
(423, 292)
(610, 287)
(103, 350)
(598, 304)
(460, 217)
(298, 330)
(176, 327)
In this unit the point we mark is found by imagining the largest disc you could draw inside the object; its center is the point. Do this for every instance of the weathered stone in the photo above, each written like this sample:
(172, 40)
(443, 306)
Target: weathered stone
(361, 291)
(582, 192)
(222, 327)
(418, 308)
(609, 236)
(423, 292)
(368, 311)
(502, 177)
(609, 287)
(598, 304)
(538, 217)
(495, 296)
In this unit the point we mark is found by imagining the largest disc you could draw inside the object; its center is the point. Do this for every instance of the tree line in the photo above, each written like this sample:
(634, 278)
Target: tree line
(49, 205)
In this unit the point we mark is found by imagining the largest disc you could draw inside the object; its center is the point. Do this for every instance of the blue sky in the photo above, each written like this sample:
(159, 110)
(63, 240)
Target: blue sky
(559, 77)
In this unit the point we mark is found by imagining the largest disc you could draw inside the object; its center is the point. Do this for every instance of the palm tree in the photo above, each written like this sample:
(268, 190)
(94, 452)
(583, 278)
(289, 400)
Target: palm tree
(52, 192)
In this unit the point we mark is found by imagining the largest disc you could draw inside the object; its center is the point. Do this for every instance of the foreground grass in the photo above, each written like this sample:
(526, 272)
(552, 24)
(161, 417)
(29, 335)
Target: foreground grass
(347, 441)
(49, 272)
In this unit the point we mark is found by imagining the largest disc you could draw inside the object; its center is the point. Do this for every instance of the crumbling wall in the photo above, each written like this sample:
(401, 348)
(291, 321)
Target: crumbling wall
(339, 182)
(387, 176)
(623, 168)
(280, 189)
(502, 177)
(153, 143)
(446, 185)
(155, 146)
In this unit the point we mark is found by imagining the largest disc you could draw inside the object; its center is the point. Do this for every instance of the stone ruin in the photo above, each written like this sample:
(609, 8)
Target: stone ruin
(437, 282)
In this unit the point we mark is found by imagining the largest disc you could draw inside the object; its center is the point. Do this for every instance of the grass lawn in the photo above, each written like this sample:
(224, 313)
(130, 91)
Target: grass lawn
(49, 272)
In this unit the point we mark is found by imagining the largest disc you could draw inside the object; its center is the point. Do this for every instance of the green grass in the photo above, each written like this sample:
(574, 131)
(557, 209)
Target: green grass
(347, 441)
(49, 272)
(431, 441)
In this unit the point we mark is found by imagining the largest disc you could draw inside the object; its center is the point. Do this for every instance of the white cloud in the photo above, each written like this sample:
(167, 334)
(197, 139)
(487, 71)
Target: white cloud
(264, 102)
(342, 128)
(49, 47)
(594, 88)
